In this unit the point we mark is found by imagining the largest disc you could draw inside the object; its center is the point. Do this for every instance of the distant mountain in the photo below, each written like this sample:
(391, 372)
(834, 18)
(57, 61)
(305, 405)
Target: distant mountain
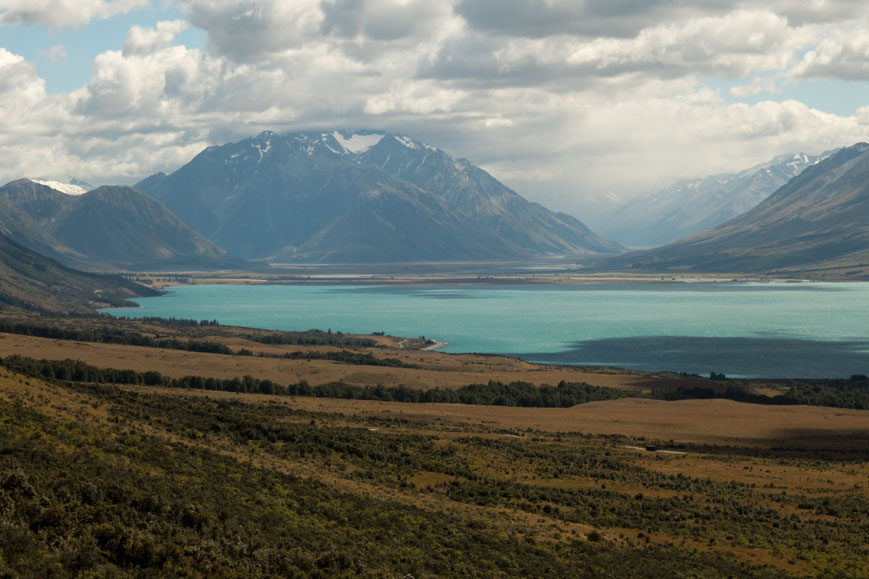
(117, 227)
(360, 197)
(691, 206)
(31, 282)
(818, 221)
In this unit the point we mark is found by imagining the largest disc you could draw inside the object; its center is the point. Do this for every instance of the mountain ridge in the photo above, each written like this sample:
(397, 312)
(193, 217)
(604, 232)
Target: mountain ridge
(690, 206)
(817, 220)
(334, 196)
(34, 283)
(109, 227)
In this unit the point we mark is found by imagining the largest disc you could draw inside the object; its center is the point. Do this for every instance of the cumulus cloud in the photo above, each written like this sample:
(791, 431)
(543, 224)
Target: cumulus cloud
(734, 45)
(18, 79)
(142, 40)
(627, 18)
(64, 13)
(249, 30)
(383, 20)
(536, 18)
(841, 56)
(759, 85)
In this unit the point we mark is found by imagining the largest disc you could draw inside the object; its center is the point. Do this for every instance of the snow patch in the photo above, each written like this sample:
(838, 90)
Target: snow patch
(406, 142)
(262, 150)
(66, 188)
(357, 143)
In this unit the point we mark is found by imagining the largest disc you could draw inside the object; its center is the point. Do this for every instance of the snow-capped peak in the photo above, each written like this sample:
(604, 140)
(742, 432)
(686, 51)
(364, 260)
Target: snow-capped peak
(357, 143)
(67, 188)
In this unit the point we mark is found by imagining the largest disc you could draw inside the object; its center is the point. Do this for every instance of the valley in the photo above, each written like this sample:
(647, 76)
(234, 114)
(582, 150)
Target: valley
(510, 442)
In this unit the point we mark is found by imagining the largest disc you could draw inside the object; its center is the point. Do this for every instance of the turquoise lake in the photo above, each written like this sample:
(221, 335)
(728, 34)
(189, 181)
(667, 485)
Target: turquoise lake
(741, 329)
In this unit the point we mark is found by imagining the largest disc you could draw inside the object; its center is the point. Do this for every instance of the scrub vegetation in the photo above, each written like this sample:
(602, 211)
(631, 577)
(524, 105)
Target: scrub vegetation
(114, 472)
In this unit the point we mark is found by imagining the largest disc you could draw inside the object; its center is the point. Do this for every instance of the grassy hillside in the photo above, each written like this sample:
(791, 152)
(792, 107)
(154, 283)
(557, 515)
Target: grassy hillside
(817, 225)
(121, 482)
(31, 282)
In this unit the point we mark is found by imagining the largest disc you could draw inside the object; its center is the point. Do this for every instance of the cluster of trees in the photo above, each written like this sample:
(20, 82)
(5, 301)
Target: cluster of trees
(104, 335)
(852, 394)
(838, 394)
(119, 336)
(180, 322)
(349, 357)
(312, 338)
(493, 393)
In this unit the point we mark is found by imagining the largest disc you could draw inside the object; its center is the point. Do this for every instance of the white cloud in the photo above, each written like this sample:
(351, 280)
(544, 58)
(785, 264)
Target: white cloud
(842, 55)
(18, 82)
(57, 54)
(142, 40)
(759, 85)
(247, 30)
(64, 13)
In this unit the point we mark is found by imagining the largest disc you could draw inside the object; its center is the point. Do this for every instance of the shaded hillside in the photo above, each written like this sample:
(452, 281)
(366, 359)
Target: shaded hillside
(126, 227)
(336, 197)
(109, 227)
(690, 206)
(475, 194)
(819, 219)
(29, 281)
(17, 225)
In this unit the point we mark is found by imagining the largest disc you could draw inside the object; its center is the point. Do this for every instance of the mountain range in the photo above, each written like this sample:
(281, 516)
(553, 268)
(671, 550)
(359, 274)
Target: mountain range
(690, 206)
(373, 196)
(818, 221)
(102, 229)
(366, 196)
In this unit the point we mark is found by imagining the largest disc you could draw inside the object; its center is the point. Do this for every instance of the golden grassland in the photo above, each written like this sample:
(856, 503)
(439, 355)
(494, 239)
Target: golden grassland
(435, 369)
(130, 480)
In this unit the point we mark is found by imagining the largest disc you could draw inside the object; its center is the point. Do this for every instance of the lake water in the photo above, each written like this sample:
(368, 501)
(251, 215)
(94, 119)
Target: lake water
(741, 329)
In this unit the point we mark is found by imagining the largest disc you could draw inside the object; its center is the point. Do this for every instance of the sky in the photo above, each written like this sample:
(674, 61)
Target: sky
(566, 101)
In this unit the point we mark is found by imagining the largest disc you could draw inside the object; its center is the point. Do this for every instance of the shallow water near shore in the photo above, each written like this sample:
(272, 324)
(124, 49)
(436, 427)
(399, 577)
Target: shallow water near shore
(741, 329)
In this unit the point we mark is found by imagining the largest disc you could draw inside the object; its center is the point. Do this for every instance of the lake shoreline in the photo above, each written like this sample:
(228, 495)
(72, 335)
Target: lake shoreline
(775, 330)
(166, 281)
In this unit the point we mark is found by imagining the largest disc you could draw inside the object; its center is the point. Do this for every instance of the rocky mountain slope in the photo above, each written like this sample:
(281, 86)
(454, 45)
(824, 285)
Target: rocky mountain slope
(819, 220)
(359, 197)
(31, 282)
(108, 227)
(690, 206)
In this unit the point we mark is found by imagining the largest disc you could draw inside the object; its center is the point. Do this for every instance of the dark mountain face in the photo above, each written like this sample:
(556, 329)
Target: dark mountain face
(476, 195)
(126, 227)
(819, 218)
(39, 201)
(31, 282)
(109, 227)
(18, 226)
(359, 197)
